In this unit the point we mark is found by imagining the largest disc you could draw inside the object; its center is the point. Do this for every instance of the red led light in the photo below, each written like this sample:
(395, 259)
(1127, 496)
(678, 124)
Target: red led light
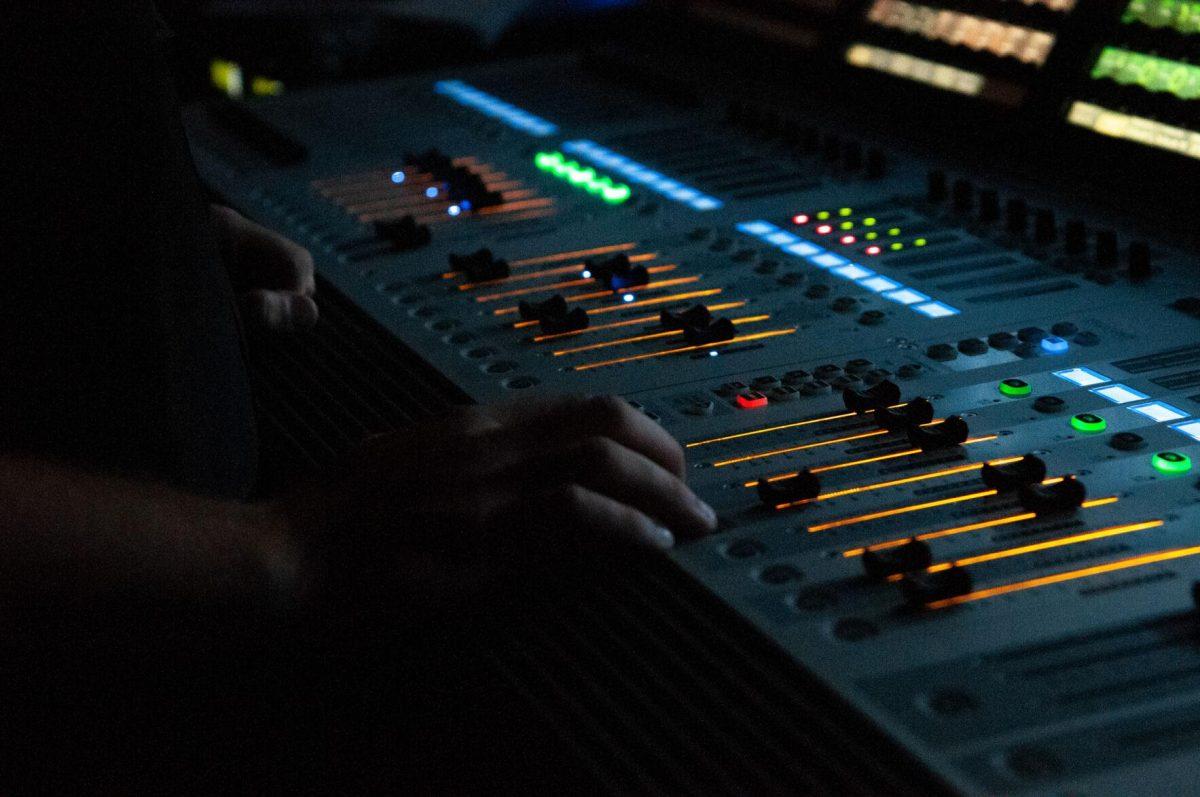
(825, 229)
(751, 400)
(848, 239)
(800, 218)
(873, 250)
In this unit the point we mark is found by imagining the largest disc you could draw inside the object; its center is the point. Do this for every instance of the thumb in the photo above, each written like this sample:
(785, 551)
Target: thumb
(278, 310)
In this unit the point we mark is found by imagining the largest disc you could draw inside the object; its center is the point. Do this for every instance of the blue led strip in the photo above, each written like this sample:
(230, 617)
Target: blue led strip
(637, 173)
(841, 267)
(494, 107)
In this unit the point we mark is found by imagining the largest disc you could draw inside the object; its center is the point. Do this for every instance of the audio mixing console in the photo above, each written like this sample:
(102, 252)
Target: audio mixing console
(950, 424)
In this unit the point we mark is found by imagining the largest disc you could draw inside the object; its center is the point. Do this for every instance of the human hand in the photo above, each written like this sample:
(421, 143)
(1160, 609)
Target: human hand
(460, 500)
(273, 276)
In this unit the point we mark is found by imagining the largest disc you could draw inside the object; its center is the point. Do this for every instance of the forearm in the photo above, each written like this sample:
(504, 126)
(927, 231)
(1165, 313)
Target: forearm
(78, 539)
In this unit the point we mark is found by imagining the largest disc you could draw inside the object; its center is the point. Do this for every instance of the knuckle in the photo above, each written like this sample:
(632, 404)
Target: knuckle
(612, 412)
(600, 452)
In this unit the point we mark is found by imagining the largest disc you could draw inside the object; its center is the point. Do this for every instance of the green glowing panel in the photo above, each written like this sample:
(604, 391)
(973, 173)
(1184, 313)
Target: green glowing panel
(584, 177)
(1088, 423)
(1159, 75)
(1181, 15)
(1015, 388)
(1171, 463)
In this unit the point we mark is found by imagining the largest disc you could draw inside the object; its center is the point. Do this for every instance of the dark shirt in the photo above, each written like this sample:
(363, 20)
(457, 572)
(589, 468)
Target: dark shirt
(119, 343)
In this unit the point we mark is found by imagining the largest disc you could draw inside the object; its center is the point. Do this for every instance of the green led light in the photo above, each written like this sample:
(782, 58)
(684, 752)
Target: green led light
(1089, 423)
(896, 247)
(894, 231)
(871, 236)
(547, 161)
(1149, 72)
(869, 221)
(1171, 463)
(1182, 15)
(597, 186)
(1015, 388)
(920, 242)
(845, 212)
(823, 215)
(616, 194)
(846, 225)
(579, 175)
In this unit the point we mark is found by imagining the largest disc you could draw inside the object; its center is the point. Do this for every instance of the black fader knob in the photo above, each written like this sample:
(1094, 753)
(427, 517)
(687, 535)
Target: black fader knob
(1014, 475)
(556, 305)
(949, 433)
(923, 588)
(907, 558)
(881, 394)
(1016, 216)
(803, 486)
(897, 419)
(936, 186)
(1046, 499)
(695, 316)
(1139, 261)
(480, 266)
(403, 233)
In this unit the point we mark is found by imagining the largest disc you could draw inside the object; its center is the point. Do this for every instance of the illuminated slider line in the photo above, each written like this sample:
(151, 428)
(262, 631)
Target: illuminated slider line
(803, 447)
(1069, 575)
(739, 339)
(854, 463)
(574, 268)
(512, 207)
(646, 319)
(509, 207)
(841, 416)
(414, 194)
(525, 216)
(605, 294)
(576, 283)
(904, 510)
(1045, 545)
(920, 477)
(612, 308)
(750, 319)
(967, 528)
(558, 257)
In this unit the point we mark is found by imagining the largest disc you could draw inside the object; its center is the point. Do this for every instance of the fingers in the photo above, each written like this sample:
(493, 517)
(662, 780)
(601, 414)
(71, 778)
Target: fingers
(263, 259)
(617, 472)
(559, 421)
(597, 517)
(278, 311)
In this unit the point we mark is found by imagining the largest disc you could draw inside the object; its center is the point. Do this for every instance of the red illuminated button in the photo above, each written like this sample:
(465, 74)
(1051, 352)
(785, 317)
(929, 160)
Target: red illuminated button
(751, 400)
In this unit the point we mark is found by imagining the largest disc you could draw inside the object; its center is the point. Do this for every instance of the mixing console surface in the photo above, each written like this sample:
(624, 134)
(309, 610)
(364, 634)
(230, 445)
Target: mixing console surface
(949, 427)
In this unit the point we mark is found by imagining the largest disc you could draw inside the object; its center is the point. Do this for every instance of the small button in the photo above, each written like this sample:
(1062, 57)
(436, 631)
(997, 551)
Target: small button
(1064, 329)
(844, 304)
(744, 549)
(827, 371)
(941, 352)
(858, 366)
(844, 381)
(793, 278)
(1086, 339)
(720, 245)
(764, 381)
(1031, 334)
(1014, 388)
(780, 574)
(910, 370)
(1002, 340)
(730, 388)
(796, 377)
(875, 376)
(743, 255)
(1052, 344)
(783, 393)
(872, 318)
(1048, 404)
(1088, 423)
(767, 267)
(818, 291)
(751, 400)
(972, 347)
(1127, 441)
(817, 387)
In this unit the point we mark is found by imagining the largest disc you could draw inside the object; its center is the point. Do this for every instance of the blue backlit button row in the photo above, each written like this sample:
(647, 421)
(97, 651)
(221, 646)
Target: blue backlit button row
(637, 173)
(839, 266)
(495, 107)
(1117, 393)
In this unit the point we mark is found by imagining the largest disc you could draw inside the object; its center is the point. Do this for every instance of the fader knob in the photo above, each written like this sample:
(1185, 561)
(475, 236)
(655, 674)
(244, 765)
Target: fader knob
(480, 266)
(1045, 229)
(936, 187)
(1139, 261)
(922, 588)
(1106, 250)
(1076, 237)
(1016, 216)
(1014, 475)
(963, 196)
(801, 487)
(1043, 499)
(895, 419)
(403, 233)
(907, 558)
(879, 395)
(949, 433)
(989, 206)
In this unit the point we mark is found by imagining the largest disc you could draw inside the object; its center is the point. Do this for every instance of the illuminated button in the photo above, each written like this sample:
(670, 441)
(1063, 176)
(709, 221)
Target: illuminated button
(1159, 411)
(1189, 428)
(1015, 388)
(1171, 463)
(1119, 394)
(1089, 423)
(1054, 345)
(1083, 377)
(751, 400)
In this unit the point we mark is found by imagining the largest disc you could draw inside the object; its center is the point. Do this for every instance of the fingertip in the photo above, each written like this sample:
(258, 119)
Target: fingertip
(661, 537)
(304, 312)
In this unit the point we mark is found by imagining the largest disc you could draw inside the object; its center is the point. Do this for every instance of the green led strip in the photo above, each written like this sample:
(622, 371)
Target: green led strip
(1182, 15)
(1149, 72)
(580, 176)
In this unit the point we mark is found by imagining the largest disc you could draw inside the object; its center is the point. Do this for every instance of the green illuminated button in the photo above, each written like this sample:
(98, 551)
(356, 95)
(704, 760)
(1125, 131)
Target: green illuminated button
(1087, 422)
(548, 161)
(1015, 388)
(1171, 462)
(615, 195)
